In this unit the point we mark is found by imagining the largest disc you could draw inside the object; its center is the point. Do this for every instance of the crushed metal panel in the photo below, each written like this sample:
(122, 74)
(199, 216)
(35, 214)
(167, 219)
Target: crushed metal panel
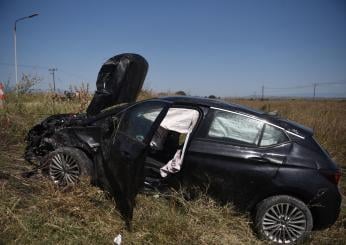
(120, 80)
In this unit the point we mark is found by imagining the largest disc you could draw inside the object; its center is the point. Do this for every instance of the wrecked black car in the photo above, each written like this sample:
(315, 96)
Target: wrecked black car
(266, 165)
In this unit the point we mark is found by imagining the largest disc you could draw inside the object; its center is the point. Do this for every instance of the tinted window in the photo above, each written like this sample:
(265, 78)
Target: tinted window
(272, 136)
(234, 127)
(137, 122)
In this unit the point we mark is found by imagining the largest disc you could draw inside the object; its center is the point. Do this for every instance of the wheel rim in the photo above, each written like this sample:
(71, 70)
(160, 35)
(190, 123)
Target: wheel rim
(284, 223)
(64, 169)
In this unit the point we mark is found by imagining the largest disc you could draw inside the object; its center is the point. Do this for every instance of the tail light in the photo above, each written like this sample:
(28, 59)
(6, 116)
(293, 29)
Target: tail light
(332, 176)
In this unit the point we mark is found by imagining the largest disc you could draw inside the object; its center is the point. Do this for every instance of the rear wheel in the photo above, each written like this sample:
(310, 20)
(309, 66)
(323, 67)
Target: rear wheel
(283, 220)
(65, 165)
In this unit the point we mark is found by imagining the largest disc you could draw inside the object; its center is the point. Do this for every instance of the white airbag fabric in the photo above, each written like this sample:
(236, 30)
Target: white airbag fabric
(182, 121)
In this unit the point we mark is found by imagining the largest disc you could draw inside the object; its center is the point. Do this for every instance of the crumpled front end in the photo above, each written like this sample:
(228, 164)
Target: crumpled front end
(38, 139)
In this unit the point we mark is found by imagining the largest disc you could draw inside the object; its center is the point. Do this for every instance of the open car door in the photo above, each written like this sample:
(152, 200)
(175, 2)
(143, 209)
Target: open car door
(125, 150)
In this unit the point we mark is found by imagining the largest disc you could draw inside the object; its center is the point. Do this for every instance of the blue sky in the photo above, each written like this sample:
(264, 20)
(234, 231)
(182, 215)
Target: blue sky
(226, 48)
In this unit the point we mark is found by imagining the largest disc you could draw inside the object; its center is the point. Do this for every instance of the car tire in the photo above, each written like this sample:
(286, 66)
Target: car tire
(66, 165)
(283, 220)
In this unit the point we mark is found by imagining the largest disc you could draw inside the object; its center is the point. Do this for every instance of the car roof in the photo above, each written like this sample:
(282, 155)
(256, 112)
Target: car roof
(288, 125)
(213, 103)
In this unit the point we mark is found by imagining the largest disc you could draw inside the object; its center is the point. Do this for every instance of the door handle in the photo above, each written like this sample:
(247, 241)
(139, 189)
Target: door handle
(267, 159)
(260, 159)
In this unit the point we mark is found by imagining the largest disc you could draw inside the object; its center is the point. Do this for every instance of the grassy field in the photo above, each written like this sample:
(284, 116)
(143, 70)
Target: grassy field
(34, 211)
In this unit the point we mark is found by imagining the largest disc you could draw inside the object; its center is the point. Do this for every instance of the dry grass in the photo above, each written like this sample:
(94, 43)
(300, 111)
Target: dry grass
(35, 211)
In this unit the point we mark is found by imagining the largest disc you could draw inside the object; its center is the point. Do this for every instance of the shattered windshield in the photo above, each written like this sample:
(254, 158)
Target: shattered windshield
(138, 122)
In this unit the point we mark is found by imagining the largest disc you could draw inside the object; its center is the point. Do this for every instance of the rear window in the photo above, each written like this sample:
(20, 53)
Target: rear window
(243, 130)
(272, 136)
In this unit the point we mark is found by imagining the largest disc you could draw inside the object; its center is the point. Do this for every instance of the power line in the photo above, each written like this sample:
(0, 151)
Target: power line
(310, 85)
(331, 83)
(73, 74)
(313, 86)
(27, 66)
(294, 87)
(45, 68)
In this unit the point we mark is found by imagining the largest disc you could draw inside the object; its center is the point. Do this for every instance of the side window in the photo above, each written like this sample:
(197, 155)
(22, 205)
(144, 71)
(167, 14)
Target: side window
(235, 128)
(137, 121)
(272, 136)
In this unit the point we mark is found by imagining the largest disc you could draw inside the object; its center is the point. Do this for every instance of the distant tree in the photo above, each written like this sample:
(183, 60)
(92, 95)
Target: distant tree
(26, 83)
(212, 97)
(182, 93)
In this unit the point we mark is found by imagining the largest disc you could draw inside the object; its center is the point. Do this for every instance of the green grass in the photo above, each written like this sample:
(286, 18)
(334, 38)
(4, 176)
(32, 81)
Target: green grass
(34, 211)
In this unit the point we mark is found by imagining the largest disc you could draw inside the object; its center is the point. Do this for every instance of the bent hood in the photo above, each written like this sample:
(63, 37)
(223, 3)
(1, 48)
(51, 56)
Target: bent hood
(120, 80)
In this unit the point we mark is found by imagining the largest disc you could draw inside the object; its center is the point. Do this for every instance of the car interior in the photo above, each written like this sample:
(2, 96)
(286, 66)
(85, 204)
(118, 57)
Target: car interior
(168, 146)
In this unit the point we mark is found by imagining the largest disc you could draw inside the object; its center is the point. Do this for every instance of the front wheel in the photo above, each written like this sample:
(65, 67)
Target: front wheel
(65, 165)
(283, 220)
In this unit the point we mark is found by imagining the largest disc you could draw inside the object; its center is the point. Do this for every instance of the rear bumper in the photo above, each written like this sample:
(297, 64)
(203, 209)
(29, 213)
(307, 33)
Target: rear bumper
(325, 207)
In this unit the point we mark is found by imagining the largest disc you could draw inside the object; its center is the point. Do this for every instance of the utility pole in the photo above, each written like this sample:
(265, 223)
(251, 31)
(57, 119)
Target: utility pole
(315, 85)
(52, 71)
(262, 98)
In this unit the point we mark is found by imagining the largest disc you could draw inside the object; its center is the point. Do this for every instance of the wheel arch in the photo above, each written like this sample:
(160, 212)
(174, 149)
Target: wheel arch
(292, 192)
(267, 205)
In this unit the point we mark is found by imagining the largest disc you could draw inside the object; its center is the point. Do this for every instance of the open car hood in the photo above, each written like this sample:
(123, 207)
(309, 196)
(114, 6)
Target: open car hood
(120, 80)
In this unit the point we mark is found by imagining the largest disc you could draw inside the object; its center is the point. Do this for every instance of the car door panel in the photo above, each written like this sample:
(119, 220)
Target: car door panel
(233, 173)
(121, 159)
